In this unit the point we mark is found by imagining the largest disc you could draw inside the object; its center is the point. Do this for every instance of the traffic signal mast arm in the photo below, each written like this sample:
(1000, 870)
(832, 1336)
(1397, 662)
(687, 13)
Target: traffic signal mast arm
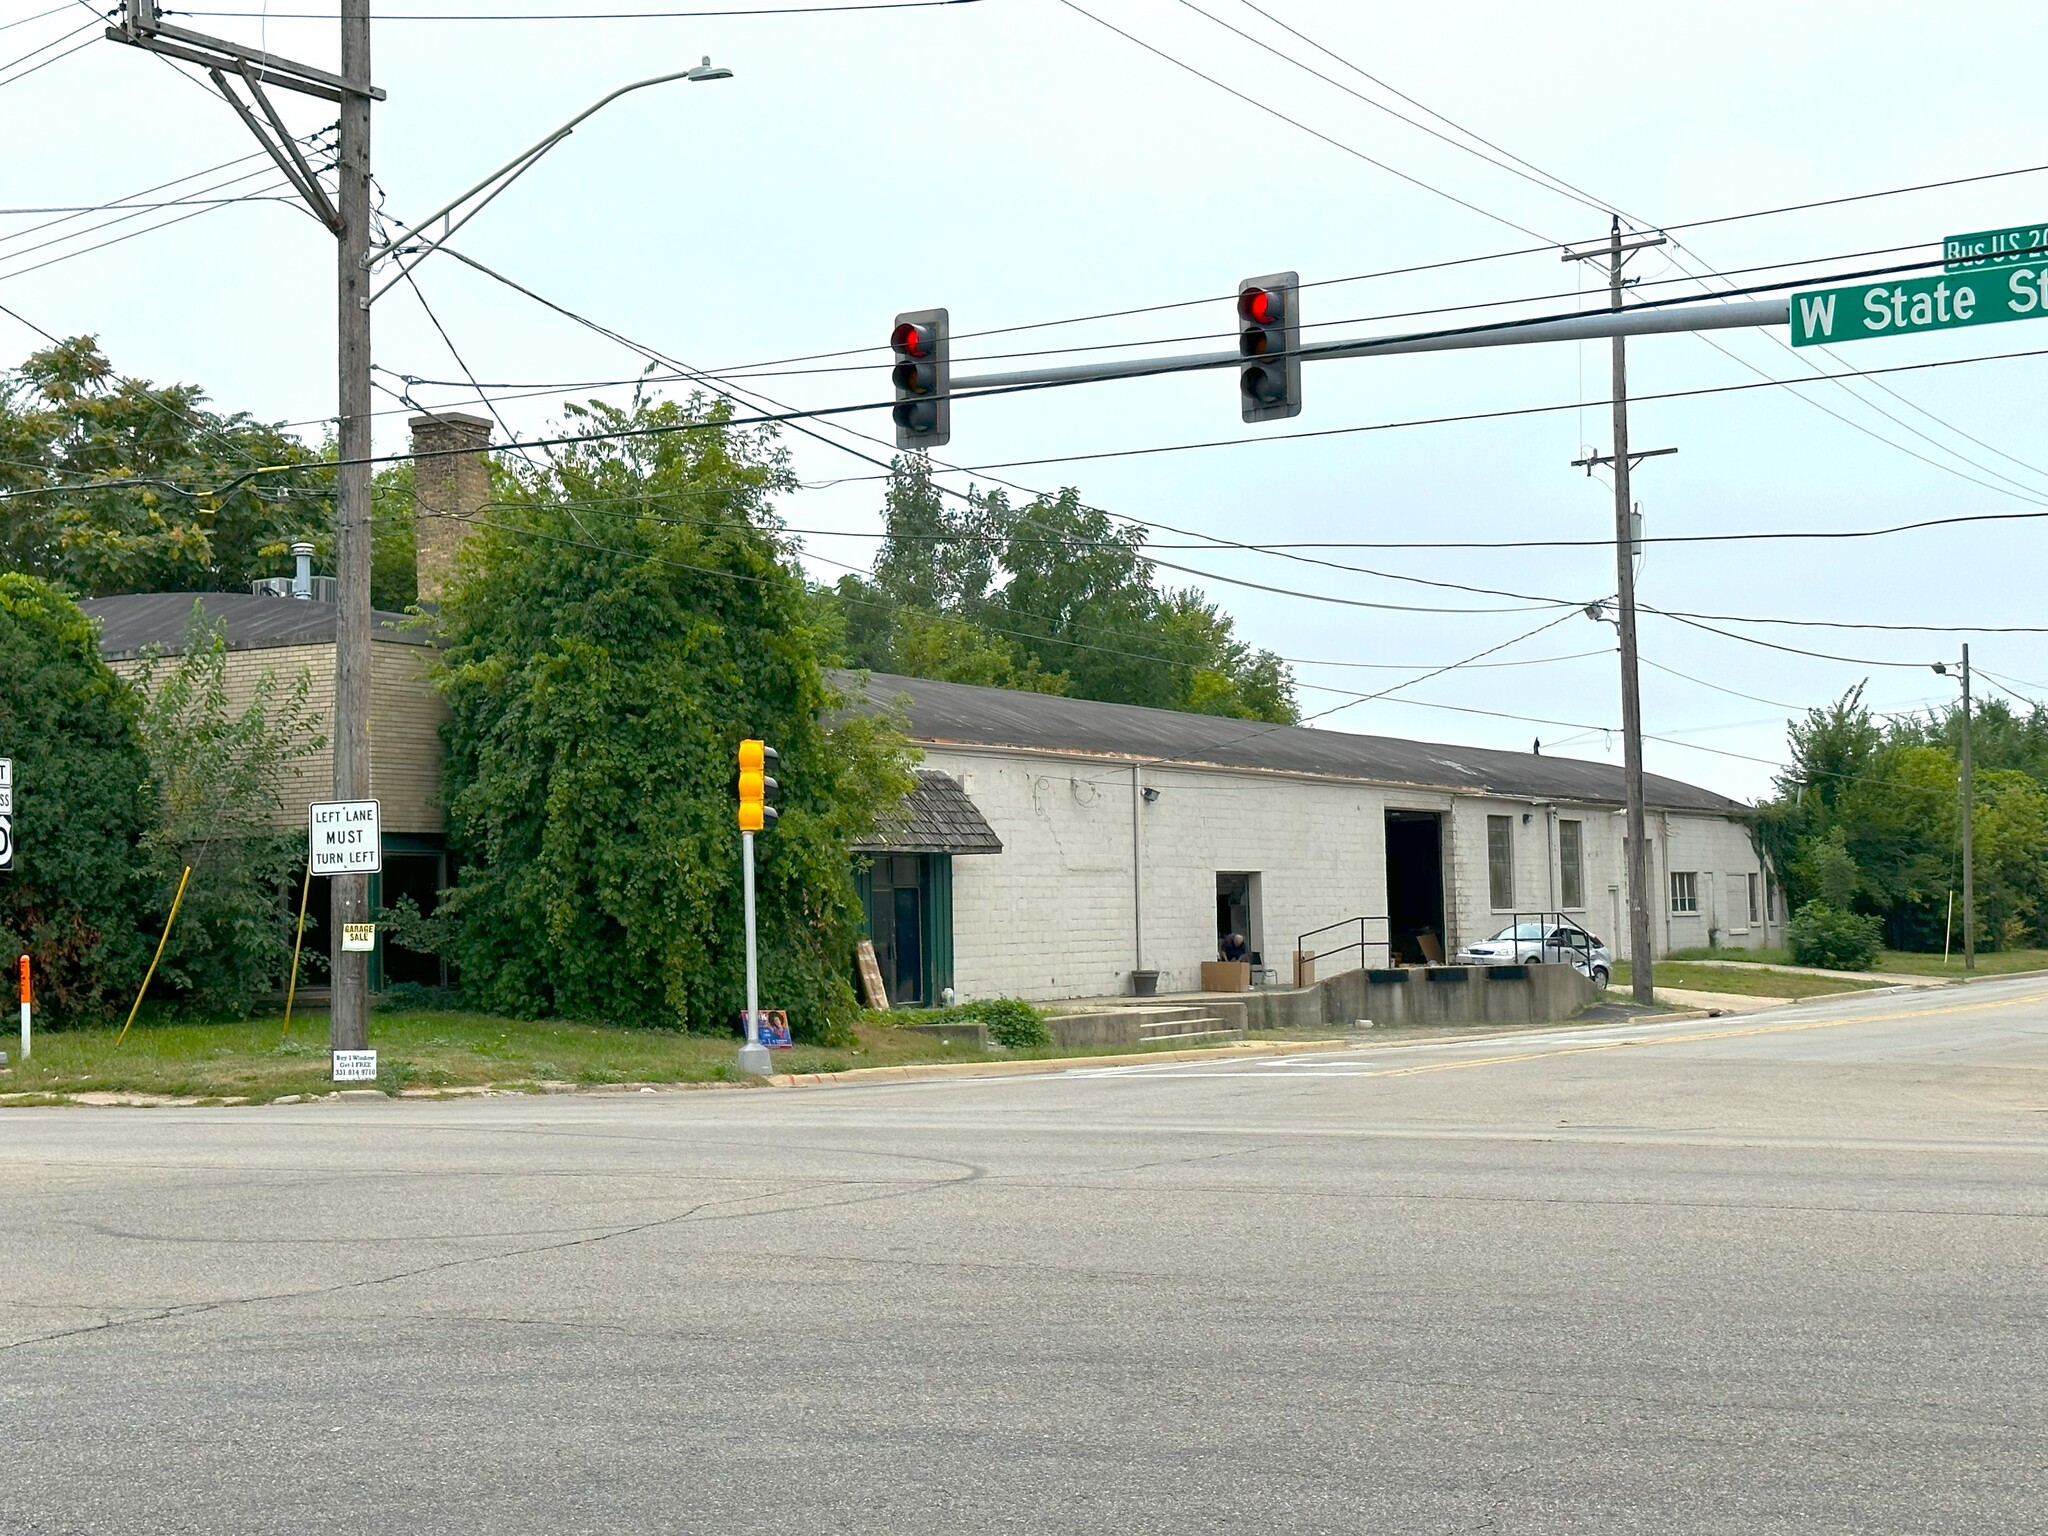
(1647, 320)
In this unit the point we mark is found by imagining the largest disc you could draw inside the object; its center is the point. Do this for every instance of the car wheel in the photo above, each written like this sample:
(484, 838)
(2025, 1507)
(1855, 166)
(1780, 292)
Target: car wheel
(1532, 959)
(1600, 977)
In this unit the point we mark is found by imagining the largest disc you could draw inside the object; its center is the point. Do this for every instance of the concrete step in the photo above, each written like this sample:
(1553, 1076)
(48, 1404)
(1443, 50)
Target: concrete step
(1145, 1012)
(1141, 1025)
(1200, 1027)
(1218, 1036)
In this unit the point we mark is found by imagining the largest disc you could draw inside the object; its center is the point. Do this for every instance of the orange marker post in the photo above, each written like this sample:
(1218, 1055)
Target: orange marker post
(24, 1008)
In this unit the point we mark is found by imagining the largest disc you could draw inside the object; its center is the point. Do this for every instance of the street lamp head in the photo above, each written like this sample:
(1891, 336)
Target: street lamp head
(1941, 667)
(709, 71)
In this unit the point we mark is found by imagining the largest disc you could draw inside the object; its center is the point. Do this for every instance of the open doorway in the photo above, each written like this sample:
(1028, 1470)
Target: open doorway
(1237, 913)
(1415, 887)
(896, 922)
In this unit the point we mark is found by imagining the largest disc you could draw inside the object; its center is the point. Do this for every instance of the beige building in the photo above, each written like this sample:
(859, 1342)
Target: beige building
(1094, 841)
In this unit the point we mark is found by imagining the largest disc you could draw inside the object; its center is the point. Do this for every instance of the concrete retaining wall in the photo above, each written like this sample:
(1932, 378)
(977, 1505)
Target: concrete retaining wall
(1458, 994)
(1442, 994)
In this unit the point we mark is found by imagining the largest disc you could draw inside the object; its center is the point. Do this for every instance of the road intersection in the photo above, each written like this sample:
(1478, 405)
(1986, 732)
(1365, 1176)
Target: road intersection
(1775, 1273)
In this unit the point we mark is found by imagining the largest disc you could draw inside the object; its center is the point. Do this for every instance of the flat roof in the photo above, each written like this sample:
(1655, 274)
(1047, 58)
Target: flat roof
(947, 714)
(133, 622)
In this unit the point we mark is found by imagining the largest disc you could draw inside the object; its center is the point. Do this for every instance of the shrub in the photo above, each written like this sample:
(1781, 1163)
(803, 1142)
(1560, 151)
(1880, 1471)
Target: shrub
(85, 890)
(1011, 1021)
(1840, 941)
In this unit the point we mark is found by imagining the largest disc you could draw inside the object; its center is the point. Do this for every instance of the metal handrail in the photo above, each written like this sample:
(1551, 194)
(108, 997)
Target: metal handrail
(1361, 943)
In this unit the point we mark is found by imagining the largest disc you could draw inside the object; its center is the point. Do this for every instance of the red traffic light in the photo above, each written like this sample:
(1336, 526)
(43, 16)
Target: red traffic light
(912, 340)
(1261, 306)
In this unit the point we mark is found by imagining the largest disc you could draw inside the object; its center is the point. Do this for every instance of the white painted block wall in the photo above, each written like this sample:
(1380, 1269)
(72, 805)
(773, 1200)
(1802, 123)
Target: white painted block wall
(1052, 916)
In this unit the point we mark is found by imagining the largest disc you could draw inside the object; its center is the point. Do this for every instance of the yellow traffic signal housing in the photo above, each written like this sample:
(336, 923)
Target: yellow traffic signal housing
(755, 788)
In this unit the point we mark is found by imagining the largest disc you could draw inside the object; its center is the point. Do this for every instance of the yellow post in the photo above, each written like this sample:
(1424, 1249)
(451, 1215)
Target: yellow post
(151, 973)
(298, 943)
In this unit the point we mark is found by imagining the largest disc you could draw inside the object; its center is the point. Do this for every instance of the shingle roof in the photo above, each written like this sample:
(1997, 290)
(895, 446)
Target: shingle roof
(936, 818)
(959, 713)
(133, 622)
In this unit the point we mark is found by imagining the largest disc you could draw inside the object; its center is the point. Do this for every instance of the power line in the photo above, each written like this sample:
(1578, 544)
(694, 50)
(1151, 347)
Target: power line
(62, 37)
(1271, 111)
(1541, 179)
(129, 198)
(148, 229)
(778, 10)
(823, 412)
(1793, 650)
(53, 59)
(8, 26)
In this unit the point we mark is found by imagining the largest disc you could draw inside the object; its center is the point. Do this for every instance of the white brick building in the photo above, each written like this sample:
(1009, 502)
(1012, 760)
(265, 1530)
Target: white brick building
(1132, 838)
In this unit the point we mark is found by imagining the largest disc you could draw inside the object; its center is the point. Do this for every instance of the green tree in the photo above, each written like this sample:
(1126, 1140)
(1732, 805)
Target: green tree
(66, 419)
(222, 770)
(633, 611)
(1055, 596)
(82, 890)
(1865, 820)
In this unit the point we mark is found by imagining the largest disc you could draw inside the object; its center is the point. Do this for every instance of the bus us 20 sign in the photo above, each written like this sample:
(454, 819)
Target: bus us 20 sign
(342, 838)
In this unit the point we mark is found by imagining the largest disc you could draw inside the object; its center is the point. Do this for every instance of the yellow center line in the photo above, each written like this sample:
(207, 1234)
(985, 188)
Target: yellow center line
(1706, 1035)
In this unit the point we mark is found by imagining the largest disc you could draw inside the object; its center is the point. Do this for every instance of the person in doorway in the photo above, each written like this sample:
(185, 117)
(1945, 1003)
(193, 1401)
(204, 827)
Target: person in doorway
(1233, 946)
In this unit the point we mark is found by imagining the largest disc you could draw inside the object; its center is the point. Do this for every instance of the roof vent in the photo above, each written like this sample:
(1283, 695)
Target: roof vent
(321, 589)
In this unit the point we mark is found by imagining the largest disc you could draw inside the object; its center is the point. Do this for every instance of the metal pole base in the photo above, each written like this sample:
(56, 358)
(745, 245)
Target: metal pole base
(754, 1060)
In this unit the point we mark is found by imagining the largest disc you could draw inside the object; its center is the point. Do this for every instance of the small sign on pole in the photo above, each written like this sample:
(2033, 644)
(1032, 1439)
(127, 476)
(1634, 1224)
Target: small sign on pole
(6, 815)
(359, 936)
(342, 838)
(355, 1066)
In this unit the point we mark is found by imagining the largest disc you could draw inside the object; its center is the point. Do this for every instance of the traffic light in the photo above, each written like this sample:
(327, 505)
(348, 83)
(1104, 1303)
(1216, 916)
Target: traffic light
(756, 788)
(1269, 341)
(922, 376)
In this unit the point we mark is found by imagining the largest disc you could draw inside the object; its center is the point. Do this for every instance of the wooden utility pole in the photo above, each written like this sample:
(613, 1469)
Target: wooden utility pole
(1969, 805)
(1640, 954)
(349, 1022)
(237, 71)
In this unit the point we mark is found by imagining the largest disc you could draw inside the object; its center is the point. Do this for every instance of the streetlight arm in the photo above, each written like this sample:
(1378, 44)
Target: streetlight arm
(518, 165)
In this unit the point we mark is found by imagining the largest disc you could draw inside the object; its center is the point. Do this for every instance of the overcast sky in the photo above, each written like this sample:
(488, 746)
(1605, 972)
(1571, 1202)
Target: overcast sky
(1018, 162)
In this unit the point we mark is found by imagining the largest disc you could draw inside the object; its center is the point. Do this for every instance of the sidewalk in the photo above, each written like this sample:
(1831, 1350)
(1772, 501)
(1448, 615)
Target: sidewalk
(1889, 978)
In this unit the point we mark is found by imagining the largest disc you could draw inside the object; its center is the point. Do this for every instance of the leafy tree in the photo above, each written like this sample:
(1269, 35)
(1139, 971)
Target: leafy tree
(67, 419)
(1053, 595)
(222, 772)
(81, 893)
(1865, 820)
(631, 612)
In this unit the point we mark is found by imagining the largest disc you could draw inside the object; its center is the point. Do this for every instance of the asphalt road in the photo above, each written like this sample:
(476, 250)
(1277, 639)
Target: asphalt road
(1785, 1273)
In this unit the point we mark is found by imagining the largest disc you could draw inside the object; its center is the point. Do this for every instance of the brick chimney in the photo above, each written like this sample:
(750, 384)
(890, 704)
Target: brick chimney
(450, 486)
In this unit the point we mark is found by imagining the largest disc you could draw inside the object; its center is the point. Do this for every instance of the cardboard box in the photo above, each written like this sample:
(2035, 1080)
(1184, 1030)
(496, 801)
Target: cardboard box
(1226, 976)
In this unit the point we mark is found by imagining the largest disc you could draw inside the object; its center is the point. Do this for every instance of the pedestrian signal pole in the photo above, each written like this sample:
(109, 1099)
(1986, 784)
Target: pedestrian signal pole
(1966, 819)
(756, 789)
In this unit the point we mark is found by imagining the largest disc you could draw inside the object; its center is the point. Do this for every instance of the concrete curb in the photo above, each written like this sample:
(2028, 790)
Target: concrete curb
(945, 1069)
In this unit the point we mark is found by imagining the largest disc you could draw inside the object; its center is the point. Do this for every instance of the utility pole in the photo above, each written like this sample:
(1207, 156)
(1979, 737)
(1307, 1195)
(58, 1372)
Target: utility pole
(1969, 831)
(236, 70)
(1639, 950)
(1966, 806)
(349, 1021)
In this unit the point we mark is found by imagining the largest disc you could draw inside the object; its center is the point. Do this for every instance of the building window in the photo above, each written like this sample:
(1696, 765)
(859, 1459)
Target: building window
(1571, 864)
(1770, 901)
(1756, 905)
(1500, 861)
(1685, 891)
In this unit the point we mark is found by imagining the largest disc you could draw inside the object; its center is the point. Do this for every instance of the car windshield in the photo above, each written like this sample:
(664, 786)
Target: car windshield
(1519, 931)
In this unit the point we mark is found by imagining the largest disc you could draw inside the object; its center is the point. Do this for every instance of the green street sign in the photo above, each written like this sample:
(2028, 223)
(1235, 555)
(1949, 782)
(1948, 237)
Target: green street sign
(1994, 247)
(1908, 306)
